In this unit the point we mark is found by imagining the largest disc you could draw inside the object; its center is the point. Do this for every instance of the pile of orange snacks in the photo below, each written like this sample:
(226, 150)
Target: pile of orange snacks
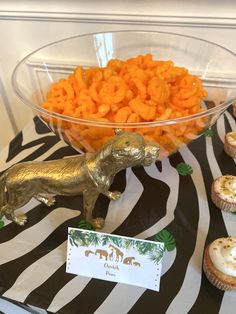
(139, 89)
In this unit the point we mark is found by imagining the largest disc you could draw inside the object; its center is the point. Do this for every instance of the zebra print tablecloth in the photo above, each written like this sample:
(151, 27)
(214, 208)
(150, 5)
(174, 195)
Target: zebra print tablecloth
(32, 258)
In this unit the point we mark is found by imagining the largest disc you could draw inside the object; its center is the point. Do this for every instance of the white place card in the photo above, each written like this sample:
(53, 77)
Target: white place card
(114, 258)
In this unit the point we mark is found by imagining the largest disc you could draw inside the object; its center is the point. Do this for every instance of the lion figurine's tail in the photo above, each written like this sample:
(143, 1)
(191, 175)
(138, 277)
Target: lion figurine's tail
(2, 191)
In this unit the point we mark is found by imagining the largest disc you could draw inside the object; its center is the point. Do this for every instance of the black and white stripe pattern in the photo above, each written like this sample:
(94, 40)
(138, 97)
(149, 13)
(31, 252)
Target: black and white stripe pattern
(32, 258)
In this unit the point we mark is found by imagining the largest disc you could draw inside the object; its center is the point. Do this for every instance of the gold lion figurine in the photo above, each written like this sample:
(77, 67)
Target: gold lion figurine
(89, 174)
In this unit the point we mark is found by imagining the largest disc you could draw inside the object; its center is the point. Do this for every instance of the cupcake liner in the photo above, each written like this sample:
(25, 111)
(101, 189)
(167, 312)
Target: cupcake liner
(234, 110)
(215, 281)
(230, 150)
(220, 203)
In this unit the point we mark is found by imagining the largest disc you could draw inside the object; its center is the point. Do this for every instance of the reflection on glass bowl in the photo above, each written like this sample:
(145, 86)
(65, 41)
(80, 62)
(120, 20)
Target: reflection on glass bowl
(213, 64)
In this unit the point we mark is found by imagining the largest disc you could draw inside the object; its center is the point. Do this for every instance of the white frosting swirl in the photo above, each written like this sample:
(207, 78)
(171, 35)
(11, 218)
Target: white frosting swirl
(223, 255)
(225, 187)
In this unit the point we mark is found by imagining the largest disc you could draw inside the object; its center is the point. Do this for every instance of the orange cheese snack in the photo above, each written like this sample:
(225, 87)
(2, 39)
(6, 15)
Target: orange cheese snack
(139, 89)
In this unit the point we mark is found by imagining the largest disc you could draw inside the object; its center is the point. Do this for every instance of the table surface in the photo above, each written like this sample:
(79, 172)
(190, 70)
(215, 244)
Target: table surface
(155, 200)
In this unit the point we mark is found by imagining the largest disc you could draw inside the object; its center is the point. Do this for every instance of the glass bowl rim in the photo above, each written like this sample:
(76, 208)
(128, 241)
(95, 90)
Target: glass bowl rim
(44, 112)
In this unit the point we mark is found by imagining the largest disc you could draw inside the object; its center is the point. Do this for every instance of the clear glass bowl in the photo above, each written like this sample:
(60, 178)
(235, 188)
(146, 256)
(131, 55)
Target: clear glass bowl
(213, 64)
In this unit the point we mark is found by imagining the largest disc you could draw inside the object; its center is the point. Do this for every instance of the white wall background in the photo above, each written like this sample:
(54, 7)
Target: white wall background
(27, 25)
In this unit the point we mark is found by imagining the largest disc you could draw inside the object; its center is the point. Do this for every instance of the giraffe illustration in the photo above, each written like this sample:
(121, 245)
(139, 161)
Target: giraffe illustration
(102, 253)
(88, 252)
(118, 252)
(111, 255)
(128, 260)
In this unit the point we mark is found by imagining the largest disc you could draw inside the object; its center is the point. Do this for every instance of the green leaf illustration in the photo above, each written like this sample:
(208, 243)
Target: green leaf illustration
(78, 238)
(105, 239)
(93, 239)
(1, 224)
(128, 243)
(71, 241)
(208, 133)
(156, 255)
(117, 241)
(184, 169)
(234, 213)
(166, 237)
(144, 248)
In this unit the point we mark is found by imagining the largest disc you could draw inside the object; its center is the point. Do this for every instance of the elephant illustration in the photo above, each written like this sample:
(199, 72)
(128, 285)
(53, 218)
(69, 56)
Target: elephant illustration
(88, 252)
(102, 253)
(128, 260)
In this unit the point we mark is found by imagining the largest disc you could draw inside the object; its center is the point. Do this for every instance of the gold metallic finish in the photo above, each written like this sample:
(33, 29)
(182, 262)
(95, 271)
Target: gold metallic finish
(89, 174)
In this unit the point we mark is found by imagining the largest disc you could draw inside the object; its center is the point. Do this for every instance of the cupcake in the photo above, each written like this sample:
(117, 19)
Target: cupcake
(230, 144)
(234, 110)
(223, 193)
(219, 263)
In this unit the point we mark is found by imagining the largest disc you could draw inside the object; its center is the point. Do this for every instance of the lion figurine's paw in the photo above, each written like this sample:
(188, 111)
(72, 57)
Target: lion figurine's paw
(98, 223)
(50, 201)
(20, 219)
(115, 195)
(47, 200)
